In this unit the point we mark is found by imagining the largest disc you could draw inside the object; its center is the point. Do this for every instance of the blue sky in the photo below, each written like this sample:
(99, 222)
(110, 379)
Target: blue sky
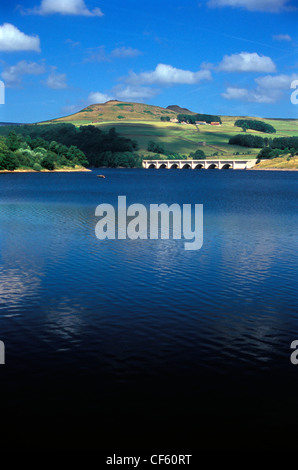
(234, 57)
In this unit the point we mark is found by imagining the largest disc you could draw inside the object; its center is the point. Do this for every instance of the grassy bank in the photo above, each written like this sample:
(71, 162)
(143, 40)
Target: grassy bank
(281, 163)
(44, 170)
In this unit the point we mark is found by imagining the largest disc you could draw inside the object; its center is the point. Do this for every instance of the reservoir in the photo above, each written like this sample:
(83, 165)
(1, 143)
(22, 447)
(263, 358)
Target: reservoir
(123, 344)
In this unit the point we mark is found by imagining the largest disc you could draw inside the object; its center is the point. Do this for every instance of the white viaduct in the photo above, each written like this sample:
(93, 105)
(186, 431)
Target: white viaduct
(200, 164)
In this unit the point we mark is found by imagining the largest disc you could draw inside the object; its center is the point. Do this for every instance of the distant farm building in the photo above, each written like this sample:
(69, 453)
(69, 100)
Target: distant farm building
(202, 143)
(174, 120)
(201, 123)
(216, 123)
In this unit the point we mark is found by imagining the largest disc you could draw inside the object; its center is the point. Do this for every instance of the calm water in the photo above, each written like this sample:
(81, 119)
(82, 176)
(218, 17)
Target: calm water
(123, 344)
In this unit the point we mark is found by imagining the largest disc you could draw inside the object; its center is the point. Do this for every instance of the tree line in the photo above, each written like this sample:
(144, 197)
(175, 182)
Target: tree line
(100, 148)
(192, 118)
(160, 150)
(255, 125)
(19, 151)
(255, 141)
(271, 148)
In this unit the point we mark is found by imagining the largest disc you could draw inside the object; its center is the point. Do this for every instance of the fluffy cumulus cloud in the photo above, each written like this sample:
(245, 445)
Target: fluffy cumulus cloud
(13, 74)
(282, 37)
(98, 97)
(65, 7)
(168, 75)
(271, 6)
(12, 39)
(269, 89)
(247, 62)
(56, 81)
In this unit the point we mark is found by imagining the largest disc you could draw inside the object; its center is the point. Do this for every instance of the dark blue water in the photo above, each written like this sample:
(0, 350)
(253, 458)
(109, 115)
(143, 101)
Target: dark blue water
(139, 343)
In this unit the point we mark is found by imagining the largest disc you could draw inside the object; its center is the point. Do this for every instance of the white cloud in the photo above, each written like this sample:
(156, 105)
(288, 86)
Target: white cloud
(98, 97)
(279, 82)
(56, 81)
(282, 37)
(65, 7)
(125, 52)
(269, 89)
(247, 62)
(168, 75)
(12, 75)
(243, 94)
(271, 6)
(135, 93)
(12, 39)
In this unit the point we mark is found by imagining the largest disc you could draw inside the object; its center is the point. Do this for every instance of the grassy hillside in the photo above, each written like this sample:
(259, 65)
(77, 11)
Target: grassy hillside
(117, 111)
(184, 139)
(142, 123)
(281, 163)
(179, 138)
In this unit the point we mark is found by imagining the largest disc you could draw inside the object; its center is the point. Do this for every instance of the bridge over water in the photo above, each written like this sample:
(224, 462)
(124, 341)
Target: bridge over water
(200, 164)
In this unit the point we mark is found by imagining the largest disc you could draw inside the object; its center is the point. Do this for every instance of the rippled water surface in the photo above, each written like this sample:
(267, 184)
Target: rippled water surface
(141, 331)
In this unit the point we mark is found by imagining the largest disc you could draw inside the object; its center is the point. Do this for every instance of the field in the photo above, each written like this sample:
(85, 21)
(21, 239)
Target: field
(178, 138)
(142, 123)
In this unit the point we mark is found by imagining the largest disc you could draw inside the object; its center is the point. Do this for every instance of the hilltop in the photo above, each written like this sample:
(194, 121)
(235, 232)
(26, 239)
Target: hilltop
(179, 110)
(117, 111)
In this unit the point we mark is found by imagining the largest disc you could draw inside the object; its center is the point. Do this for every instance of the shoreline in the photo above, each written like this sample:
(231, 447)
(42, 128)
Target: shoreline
(77, 170)
(60, 170)
(273, 169)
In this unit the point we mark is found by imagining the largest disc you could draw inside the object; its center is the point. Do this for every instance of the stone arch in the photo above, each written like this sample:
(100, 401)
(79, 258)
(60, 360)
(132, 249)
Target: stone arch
(152, 165)
(186, 166)
(226, 166)
(199, 166)
(174, 166)
(213, 166)
(163, 165)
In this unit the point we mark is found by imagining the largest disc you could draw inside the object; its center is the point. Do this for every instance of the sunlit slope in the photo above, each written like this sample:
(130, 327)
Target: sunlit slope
(179, 138)
(117, 111)
(142, 123)
(281, 163)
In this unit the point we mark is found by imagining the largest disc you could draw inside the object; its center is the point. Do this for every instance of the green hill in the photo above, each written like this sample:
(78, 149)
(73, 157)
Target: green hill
(142, 122)
(117, 111)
